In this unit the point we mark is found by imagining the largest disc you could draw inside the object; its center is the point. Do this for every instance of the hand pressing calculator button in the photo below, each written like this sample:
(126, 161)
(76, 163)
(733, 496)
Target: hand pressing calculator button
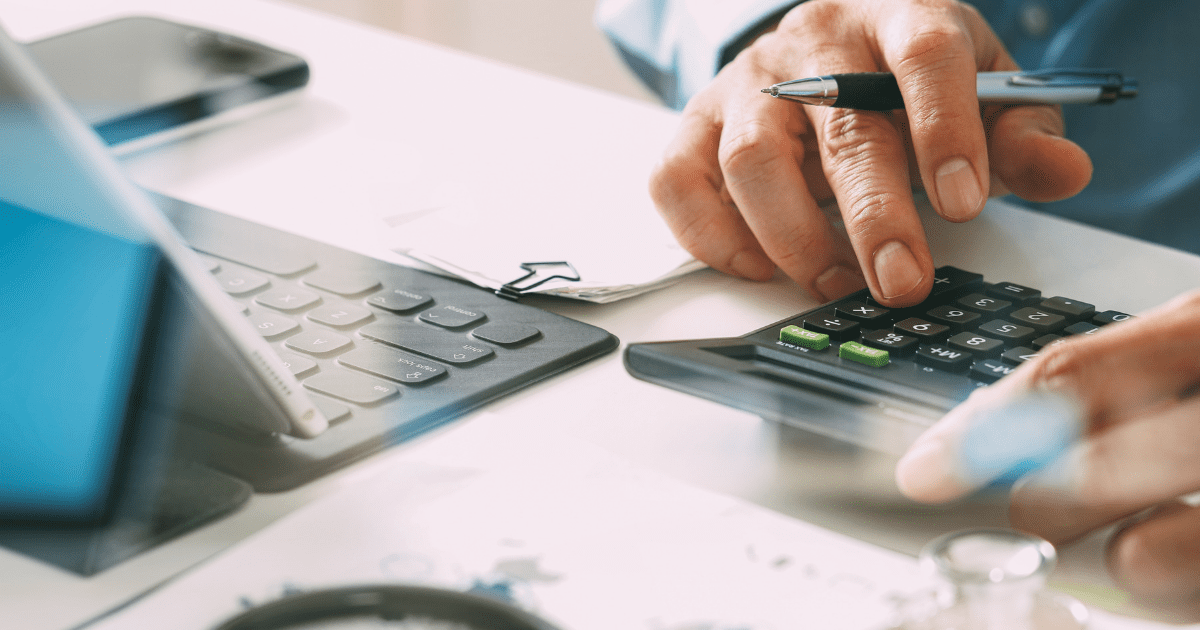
(874, 375)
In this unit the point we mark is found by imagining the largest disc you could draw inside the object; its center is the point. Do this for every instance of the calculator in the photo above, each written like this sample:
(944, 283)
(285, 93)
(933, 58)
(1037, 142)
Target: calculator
(868, 374)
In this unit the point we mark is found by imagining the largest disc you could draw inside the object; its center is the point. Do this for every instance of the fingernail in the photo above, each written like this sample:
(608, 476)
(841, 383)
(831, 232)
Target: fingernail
(925, 472)
(959, 194)
(751, 265)
(1006, 443)
(838, 281)
(896, 269)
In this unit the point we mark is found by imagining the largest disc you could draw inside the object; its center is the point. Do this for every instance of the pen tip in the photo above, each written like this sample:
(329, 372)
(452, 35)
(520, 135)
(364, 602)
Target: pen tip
(773, 90)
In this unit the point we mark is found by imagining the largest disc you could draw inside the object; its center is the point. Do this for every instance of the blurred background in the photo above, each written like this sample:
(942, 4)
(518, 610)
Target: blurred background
(556, 37)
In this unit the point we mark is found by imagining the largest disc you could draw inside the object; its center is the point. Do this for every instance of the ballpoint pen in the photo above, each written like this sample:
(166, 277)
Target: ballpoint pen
(878, 91)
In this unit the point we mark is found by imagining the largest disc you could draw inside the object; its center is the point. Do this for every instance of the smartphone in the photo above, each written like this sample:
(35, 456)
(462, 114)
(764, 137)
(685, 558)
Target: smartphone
(144, 81)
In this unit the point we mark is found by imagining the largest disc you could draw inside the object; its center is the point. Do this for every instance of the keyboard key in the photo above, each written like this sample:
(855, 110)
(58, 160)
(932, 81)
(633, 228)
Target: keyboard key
(927, 332)
(1037, 319)
(944, 358)
(985, 304)
(390, 363)
(990, 370)
(333, 411)
(951, 316)
(862, 312)
(299, 366)
(317, 342)
(1080, 328)
(287, 299)
(1015, 292)
(1007, 332)
(1019, 355)
(506, 333)
(341, 282)
(272, 325)
(895, 343)
(399, 300)
(430, 342)
(450, 316)
(797, 336)
(827, 322)
(976, 344)
(859, 353)
(1068, 307)
(240, 281)
(355, 387)
(341, 314)
(1110, 317)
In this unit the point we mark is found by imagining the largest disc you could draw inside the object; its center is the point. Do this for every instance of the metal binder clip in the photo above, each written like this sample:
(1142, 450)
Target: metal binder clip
(539, 273)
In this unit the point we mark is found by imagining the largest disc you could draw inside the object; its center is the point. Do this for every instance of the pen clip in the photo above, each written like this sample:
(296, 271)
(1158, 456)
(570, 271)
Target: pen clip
(1112, 85)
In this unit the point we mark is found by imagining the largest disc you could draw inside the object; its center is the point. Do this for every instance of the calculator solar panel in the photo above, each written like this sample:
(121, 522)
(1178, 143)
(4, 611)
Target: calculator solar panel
(871, 375)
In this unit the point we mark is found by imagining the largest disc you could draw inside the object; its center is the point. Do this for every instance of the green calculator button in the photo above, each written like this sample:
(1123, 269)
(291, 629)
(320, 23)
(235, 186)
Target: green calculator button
(868, 356)
(806, 338)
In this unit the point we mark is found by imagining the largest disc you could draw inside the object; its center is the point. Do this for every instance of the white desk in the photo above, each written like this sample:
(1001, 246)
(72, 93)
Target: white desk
(331, 165)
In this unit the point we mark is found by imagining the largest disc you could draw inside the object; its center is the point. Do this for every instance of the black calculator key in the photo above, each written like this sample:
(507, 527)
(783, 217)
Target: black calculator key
(896, 344)
(1007, 331)
(927, 332)
(977, 345)
(1048, 340)
(1015, 292)
(827, 322)
(944, 358)
(947, 280)
(1080, 328)
(1038, 319)
(862, 312)
(1110, 317)
(984, 304)
(399, 300)
(990, 370)
(450, 316)
(1018, 355)
(952, 316)
(1068, 307)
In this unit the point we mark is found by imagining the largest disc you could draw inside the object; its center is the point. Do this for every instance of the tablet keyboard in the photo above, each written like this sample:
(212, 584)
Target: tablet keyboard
(385, 351)
(873, 375)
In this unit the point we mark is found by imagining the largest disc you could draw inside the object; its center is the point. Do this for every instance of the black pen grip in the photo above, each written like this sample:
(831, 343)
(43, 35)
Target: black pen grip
(874, 91)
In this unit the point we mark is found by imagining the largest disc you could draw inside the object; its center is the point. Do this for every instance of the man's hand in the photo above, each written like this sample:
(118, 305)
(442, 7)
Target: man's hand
(1128, 393)
(743, 182)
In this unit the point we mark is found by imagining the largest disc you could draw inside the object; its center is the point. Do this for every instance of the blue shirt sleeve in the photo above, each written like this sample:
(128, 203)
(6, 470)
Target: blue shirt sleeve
(677, 46)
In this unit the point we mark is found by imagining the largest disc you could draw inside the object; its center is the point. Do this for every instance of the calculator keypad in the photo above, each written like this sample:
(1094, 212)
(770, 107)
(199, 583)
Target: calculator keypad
(968, 327)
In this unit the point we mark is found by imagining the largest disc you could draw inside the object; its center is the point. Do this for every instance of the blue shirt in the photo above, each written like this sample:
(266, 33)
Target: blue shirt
(1146, 151)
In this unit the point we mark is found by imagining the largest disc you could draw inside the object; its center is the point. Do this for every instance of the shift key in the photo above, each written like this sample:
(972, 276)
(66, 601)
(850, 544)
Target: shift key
(426, 340)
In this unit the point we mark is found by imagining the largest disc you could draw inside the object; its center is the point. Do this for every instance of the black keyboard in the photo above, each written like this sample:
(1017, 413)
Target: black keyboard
(385, 352)
(868, 374)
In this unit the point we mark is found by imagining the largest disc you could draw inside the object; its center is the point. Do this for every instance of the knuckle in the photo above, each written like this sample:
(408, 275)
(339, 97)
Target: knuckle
(933, 46)
(751, 149)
